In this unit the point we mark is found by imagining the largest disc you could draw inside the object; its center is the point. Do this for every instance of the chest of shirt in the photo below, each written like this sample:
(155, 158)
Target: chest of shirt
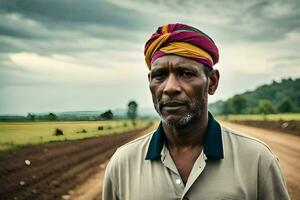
(155, 180)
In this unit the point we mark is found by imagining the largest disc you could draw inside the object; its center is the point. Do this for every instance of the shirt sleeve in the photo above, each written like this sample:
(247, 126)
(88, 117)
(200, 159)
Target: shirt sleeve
(109, 192)
(272, 185)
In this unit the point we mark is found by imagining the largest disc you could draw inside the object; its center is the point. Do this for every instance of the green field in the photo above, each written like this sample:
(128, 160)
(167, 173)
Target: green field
(18, 134)
(269, 117)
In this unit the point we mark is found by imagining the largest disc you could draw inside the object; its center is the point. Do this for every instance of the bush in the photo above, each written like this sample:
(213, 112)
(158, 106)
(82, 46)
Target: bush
(134, 123)
(82, 131)
(58, 132)
(100, 128)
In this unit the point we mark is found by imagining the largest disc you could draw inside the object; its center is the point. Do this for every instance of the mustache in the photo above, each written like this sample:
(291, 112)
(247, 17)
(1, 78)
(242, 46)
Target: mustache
(170, 102)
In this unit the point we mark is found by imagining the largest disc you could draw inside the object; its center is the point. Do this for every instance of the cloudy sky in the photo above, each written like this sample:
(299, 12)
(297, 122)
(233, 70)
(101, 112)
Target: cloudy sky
(88, 55)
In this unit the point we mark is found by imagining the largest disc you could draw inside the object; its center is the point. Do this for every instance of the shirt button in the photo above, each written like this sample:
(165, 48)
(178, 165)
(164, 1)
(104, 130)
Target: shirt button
(178, 181)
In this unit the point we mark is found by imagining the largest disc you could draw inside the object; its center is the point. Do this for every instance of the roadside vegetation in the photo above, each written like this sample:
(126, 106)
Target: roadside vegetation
(33, 129)
(287, 123)
(274, 106)
(261, 117)
(18, 134)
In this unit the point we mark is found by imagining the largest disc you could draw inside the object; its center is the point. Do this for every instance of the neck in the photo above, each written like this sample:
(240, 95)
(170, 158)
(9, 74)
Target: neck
(189, 136)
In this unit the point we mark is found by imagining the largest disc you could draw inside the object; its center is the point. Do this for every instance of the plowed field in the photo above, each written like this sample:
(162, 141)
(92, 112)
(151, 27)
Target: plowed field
(50, 171)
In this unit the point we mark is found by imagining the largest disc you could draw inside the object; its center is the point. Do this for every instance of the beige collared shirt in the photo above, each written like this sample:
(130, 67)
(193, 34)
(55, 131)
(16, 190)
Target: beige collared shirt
(248, 170)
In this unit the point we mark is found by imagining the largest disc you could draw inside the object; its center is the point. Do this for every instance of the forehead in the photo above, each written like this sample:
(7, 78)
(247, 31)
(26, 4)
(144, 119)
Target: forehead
(174, 61)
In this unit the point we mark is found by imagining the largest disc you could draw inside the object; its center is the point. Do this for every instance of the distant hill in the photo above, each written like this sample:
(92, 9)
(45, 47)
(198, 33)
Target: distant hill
(118, 113)
(277, 97)
(143, 113)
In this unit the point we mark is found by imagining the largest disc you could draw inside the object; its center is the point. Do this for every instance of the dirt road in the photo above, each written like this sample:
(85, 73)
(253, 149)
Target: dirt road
(287, 149)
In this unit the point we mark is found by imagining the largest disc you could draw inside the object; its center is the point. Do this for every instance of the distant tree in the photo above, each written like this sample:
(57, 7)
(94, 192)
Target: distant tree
(30, 116)
(252, 110)
(274, 82)
(227, 107)
(51, 116)
(217, 108)
(266, 107)
(132, 111)
(239, 104)
(285, 106)
(108, 115)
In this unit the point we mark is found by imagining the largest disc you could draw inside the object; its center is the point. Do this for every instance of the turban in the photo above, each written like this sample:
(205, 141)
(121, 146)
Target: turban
(181, 40)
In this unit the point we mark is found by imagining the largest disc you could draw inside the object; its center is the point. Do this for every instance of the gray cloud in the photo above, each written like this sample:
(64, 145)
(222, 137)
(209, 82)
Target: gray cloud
(267, 20)
(42, 24)
(56, 12)
(109, 33)
(53, 26)
(257, 20)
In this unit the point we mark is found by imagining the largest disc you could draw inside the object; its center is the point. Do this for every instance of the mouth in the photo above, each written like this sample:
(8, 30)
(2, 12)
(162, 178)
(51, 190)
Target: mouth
(172, 105)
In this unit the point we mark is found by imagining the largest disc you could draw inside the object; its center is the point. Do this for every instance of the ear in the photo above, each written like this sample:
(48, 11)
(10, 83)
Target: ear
(214, 77)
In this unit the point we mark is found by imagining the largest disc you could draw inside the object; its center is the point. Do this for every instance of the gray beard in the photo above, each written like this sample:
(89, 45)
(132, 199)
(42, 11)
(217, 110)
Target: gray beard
(185, 120)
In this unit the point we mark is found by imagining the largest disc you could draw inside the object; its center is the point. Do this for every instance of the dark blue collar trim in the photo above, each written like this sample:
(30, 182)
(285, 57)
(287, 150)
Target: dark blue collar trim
(156, 144)
(213, 145)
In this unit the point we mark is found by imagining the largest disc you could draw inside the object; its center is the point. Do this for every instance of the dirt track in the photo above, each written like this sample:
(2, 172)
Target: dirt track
(56, 168)
(287, 149)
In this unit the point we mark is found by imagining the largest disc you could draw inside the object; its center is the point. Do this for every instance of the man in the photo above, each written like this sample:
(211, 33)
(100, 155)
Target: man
(189, 156)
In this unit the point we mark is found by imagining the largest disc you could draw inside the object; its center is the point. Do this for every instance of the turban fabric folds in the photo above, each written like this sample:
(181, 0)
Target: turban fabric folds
(182, 40)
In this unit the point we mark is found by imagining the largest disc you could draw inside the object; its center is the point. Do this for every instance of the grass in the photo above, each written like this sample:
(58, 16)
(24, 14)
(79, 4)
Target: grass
(18, 134)
(261, 117)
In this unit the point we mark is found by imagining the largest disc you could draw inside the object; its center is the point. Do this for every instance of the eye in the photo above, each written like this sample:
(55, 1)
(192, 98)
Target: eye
(158, 76)
(187, 74)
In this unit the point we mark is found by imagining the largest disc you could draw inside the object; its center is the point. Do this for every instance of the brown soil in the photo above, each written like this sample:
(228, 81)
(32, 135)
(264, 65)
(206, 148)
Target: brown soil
(292, 126)
(56, 168)
(285, 146)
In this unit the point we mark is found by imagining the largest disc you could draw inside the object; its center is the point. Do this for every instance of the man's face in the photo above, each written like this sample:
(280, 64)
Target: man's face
(179, 88)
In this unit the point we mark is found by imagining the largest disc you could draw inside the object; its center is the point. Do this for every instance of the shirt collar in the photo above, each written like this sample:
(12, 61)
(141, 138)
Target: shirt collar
(213, 146)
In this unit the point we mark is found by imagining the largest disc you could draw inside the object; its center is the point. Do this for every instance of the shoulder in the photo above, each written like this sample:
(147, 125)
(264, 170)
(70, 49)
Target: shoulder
(246, 145)
(132, 151)
(138, 145)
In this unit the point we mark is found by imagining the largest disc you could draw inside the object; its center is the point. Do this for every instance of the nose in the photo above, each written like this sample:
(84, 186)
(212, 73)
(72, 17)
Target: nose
(172, 86)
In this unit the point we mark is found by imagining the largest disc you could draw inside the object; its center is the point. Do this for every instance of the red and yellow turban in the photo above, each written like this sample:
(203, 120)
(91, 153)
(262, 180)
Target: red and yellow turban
(182, 40)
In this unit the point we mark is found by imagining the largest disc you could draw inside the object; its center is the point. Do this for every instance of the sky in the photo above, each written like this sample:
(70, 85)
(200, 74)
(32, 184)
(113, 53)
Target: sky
(88, 55)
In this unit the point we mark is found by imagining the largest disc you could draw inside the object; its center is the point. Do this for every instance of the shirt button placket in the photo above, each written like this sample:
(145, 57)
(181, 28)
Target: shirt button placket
(178, 185)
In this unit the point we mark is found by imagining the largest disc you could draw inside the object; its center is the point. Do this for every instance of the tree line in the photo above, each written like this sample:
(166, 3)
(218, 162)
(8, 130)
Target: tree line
(277, 97)
(132, 114)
